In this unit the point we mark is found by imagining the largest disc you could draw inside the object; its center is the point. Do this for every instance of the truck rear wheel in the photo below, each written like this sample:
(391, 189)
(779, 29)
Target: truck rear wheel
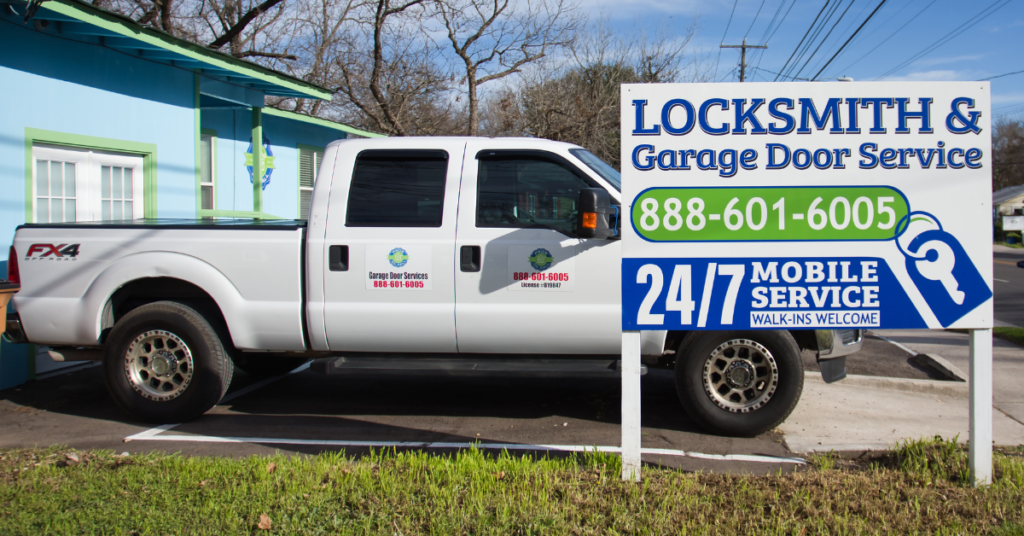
(164, 363)
(739, 383)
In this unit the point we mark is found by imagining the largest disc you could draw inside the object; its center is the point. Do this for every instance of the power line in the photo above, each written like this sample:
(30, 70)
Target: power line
(949, 36)
(894, 34)
(801, 39)
(782, 75)
(766, 38)
(1000, 76)
(724, 33)
(880, 4)
(814, 37)
(809, 58)
(832, 46)
(756, 15)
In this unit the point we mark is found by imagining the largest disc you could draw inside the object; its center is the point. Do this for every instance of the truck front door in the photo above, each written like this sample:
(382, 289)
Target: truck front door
(535, 288)
(389, 262)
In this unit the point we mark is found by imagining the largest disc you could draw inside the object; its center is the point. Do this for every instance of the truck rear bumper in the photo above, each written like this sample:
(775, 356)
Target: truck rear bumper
(13, 332)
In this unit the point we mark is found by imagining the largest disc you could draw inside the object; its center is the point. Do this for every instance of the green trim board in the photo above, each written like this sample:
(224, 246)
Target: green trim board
(321, 122)
(197, 130)
(149, 38)
(146, 150)
(257, 160)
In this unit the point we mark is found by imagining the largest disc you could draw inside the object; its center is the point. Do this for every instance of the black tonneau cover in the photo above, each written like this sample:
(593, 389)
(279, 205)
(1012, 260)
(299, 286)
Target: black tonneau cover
(174, 223)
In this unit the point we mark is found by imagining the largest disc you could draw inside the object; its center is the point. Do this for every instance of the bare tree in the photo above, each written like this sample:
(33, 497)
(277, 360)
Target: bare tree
(578, 101)
(1007, 154)
(496, 38)
(389, 74)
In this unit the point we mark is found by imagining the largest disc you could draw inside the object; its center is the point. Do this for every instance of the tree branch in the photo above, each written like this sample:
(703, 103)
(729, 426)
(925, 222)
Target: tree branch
(243, 22)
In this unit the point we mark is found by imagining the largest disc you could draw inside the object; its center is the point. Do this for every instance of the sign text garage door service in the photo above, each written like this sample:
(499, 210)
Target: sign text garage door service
(806, 205)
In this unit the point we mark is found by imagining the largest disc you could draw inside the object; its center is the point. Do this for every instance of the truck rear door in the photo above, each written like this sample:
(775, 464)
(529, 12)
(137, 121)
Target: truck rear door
(538, 290)
(389, 260)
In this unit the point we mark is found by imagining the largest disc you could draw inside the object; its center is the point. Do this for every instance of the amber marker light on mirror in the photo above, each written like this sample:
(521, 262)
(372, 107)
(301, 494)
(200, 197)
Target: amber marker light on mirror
(590, 220)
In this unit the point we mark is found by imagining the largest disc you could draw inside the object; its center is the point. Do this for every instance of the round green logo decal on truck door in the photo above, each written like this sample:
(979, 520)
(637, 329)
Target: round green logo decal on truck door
(398, 257)
(541, 259)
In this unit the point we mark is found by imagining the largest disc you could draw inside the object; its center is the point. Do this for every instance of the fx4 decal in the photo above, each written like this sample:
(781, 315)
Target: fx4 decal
(66, 252)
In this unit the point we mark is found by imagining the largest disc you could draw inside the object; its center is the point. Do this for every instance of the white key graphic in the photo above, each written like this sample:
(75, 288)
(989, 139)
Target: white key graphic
(941, 269)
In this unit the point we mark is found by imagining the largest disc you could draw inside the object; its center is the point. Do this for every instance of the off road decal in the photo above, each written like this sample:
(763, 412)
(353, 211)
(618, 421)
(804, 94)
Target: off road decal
(52, 252)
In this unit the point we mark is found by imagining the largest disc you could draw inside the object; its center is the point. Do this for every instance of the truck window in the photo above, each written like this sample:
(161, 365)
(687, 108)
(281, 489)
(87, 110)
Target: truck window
(397, 189)
(527, 191)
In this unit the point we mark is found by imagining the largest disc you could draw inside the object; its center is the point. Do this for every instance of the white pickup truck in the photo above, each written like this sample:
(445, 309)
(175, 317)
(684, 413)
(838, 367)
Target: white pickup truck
(482, 254)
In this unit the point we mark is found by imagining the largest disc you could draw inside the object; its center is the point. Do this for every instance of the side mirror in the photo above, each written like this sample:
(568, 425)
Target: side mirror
(592, 219)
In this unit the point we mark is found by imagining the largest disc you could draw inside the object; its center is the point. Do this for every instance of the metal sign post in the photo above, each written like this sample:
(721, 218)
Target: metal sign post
(631, 405)
(980, 456)
(759, 211)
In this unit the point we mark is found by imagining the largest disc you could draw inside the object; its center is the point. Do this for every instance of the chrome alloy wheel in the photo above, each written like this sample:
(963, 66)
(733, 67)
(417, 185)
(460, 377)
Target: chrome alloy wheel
(740, 376)
(158, 365)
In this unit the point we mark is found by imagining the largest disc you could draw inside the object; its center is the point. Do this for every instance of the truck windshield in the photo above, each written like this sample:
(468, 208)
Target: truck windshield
(600, 167)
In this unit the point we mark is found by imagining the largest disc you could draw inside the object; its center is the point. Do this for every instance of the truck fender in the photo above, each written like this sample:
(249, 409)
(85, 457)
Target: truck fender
(165, 264)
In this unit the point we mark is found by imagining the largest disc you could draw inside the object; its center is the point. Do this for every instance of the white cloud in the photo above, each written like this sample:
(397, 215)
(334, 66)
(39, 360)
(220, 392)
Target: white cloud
(640, 8)
(935, 75)
(948, 59)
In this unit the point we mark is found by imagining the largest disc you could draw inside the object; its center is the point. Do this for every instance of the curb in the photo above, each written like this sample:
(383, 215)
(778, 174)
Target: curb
(905, 385)
(942, 366)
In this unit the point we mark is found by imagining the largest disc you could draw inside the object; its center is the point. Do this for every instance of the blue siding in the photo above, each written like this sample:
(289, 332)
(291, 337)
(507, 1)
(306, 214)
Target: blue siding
(234, 128)
(89, 90)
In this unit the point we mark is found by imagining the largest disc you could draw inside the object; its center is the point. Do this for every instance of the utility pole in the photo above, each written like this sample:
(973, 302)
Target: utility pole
(743, 56)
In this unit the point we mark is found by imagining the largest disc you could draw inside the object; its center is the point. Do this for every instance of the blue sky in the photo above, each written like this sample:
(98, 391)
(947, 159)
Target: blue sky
(894, 45)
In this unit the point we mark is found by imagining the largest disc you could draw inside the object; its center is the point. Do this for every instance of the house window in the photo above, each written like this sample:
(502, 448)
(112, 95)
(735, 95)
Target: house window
(55, 191)
(309, 166)
(206, 170)
(83, 185)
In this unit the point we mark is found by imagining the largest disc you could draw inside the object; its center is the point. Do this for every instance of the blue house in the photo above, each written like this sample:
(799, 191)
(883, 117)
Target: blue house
(106, 119)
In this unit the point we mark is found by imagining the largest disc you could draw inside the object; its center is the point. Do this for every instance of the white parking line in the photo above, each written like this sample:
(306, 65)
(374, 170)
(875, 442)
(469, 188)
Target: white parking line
(1000, 280)
(154, 434)
(146, 436)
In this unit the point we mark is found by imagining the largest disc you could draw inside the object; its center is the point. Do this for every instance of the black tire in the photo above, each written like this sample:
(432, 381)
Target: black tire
(266, 366)
(185, 370)
(745, 405)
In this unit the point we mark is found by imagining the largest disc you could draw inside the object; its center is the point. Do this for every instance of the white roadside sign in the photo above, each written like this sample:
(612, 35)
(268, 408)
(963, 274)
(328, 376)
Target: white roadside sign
(1013, 223)
(806, 206)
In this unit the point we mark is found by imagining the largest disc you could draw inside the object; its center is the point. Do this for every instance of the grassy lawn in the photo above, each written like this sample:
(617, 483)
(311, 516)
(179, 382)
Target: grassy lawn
(919, 488)
(1014, 335)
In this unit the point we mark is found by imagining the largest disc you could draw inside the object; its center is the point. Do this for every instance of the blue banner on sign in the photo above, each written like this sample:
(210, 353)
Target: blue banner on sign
(773, 293)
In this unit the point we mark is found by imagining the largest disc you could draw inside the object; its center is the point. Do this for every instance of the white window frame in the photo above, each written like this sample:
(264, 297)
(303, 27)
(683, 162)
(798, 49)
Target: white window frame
(88, 199)
(318, 157)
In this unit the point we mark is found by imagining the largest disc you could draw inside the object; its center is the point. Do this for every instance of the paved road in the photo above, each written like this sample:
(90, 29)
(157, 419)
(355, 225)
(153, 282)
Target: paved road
(74, 409)
(1008, 280)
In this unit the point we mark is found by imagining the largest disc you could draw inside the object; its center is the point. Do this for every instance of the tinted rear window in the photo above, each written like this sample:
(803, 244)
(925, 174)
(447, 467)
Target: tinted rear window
(397, 189)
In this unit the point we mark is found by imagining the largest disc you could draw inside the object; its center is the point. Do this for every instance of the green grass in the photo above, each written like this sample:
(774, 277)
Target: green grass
(1014, 335)
(1017, 245)
(919, 487)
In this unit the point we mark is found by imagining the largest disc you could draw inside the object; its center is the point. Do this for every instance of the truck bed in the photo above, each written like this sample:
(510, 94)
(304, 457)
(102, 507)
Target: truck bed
(253, 269)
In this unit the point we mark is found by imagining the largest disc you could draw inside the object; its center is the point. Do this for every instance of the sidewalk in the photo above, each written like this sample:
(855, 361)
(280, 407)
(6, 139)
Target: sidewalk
(863, 413)
(1007, 363)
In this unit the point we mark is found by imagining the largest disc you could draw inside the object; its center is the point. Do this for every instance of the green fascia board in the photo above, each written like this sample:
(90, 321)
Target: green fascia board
(127, 28)
(321, 122)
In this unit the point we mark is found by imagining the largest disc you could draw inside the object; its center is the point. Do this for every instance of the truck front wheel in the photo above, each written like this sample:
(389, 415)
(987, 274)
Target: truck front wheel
(739, 383)
(164, 363)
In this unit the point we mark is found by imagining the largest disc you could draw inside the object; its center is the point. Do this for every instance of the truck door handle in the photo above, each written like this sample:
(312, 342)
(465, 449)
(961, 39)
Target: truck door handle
(470, 258)
(337, 258)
